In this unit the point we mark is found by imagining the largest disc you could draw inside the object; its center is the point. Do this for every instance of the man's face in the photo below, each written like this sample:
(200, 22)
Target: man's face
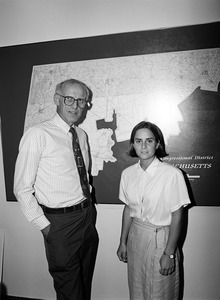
(70, 114)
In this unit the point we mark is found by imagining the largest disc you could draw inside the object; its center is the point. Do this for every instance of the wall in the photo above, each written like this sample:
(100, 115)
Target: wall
(25, 270)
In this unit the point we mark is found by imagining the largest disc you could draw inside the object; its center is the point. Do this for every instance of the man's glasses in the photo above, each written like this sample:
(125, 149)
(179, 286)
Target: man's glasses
(68, 100)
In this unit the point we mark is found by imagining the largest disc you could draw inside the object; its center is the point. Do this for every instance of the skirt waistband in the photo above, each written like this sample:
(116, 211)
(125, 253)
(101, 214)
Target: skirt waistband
(149, 225)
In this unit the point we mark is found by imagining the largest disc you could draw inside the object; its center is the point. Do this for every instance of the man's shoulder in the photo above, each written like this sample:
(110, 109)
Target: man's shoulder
(38, 129)
(79, 129)
(81, 132)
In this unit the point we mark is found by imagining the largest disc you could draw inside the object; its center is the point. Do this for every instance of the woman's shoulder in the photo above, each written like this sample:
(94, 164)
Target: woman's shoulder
(130, 169)
(169, 168)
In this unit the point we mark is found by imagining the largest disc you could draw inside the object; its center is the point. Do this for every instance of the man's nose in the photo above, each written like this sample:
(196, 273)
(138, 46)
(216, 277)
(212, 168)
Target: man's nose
(75, 104)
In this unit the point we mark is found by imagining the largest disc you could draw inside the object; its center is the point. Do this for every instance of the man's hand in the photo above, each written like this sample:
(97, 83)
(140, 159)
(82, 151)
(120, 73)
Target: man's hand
(45, 231)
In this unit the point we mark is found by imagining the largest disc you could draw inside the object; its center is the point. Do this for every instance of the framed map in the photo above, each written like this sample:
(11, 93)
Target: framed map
(169, 77)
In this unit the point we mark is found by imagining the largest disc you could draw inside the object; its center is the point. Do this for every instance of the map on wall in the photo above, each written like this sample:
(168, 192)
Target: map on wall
(177, 90)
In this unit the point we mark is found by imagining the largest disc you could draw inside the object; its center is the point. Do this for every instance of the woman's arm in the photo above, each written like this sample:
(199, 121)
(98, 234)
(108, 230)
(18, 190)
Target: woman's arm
(167, 263)
(126, 223)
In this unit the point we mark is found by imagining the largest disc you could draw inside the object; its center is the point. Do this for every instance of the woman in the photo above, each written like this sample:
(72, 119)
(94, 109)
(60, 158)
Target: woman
(154, 194)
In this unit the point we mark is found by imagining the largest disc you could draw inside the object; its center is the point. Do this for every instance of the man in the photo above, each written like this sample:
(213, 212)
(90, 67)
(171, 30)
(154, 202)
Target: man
(48, 187)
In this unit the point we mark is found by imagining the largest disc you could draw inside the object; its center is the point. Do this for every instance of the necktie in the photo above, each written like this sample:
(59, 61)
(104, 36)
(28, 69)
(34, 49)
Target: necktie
(80, 164)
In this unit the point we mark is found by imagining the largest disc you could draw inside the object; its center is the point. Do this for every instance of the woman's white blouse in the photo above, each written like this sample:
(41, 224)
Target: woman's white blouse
(155, 193)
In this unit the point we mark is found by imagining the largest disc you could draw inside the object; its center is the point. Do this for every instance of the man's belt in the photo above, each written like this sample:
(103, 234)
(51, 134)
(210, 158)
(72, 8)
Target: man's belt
(65, 210)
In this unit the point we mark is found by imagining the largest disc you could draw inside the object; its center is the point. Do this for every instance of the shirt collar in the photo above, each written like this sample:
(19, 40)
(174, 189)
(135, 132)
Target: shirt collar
(61, 123)
(152, 167)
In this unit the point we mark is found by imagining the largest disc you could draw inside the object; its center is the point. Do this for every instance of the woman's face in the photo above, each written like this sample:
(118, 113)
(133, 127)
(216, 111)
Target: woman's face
(145, 145)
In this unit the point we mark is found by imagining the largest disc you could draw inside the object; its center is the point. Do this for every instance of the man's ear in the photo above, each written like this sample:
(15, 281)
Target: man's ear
(56, 99)
(158, 144)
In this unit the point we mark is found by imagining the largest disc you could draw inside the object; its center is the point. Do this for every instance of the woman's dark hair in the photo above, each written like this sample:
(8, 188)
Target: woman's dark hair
(160, 151)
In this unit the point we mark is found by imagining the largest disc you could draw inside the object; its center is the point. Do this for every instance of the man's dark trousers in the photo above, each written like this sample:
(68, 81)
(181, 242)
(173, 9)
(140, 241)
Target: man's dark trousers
(71, 248)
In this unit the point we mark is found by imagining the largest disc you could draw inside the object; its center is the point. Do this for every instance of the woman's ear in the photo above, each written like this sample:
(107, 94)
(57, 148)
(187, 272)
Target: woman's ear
(158, 144)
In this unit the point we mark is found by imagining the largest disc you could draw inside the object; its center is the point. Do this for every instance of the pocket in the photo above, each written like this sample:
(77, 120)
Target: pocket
(45, 233)
(130, 239)
(53, 222)
(162, 237)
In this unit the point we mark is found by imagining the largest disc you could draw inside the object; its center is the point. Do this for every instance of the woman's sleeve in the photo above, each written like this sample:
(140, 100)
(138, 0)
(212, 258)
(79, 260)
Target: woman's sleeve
(176, 191)
(122, 189)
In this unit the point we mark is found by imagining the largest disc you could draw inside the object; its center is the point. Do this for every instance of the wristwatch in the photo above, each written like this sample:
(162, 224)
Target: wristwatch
(171, 256)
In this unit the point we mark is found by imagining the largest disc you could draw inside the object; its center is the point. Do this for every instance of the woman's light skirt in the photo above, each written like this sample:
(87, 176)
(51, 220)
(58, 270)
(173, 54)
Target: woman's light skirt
(146, 244)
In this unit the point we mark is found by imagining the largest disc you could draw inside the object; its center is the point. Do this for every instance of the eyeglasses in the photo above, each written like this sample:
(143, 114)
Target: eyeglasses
(68, 100)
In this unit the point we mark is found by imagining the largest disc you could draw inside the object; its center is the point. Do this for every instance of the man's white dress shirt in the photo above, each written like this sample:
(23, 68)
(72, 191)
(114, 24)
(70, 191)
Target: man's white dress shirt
(45, 171)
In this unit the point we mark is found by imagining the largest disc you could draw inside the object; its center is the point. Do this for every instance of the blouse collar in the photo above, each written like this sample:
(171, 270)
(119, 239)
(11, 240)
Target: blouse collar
(152, 167)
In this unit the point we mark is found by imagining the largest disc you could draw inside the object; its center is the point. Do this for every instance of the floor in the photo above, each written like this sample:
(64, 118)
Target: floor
(16, 298)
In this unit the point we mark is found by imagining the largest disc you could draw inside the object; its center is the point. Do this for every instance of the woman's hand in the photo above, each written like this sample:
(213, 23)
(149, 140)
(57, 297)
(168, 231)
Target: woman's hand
(167, 265)
(122, 252)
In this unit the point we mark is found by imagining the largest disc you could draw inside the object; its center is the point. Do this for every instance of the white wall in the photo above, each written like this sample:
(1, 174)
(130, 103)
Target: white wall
(25, 269)
(29, 21)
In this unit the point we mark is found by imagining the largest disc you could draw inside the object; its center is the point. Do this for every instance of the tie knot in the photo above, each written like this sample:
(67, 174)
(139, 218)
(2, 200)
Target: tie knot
(74, 135)
(72, 130)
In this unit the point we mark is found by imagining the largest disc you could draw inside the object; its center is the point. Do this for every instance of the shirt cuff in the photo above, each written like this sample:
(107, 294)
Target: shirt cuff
(41, 222)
